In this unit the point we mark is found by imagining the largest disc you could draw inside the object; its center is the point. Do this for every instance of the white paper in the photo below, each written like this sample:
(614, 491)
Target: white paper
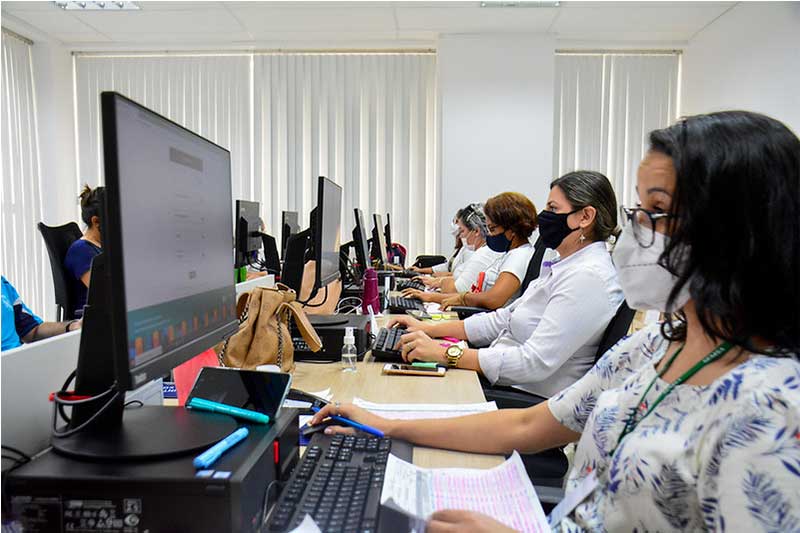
(419, 411)
(302, 420)
(307, 526)
(504, 492)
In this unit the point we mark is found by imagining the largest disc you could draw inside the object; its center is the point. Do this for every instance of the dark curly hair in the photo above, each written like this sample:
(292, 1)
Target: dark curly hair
(512, 211)
(92, 201)
(735, 239)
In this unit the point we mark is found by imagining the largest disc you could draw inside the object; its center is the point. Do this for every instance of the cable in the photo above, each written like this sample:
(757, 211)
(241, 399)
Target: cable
(17, 462)
(22, 454)
(140, 402)
(62, 434)
(325, 299)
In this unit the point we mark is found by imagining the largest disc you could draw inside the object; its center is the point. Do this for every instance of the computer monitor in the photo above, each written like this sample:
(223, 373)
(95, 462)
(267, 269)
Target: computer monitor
(290, 225)
(161, 291)
(379, 240)
(248, 232)
(360, 241)
(327, 217)
(387, 231)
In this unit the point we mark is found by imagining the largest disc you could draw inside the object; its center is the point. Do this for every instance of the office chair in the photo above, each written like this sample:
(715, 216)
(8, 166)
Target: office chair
(534, 268)
(548, 468)
(58, 239)
(425, 261)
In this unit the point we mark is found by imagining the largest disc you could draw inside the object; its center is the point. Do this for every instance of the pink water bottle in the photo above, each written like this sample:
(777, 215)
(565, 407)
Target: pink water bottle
(370, 296)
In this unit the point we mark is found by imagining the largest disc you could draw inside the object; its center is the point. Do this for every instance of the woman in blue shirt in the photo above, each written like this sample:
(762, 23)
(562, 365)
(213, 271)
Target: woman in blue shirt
(78, 261)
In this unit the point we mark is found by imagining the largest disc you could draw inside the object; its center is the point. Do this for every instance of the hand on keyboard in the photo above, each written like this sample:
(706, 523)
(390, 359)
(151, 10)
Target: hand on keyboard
(407, 322)
(417, 346)
(416, 294)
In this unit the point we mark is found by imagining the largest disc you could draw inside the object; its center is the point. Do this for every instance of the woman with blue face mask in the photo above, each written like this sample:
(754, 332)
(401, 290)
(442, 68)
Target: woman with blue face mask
(694, 423)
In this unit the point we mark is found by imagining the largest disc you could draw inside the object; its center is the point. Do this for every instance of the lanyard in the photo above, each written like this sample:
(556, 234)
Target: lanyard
(633, 421)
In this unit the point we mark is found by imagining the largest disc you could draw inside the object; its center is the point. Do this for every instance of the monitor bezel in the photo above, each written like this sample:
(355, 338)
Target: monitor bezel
(129, 377)
(321, 282)
(377, 220)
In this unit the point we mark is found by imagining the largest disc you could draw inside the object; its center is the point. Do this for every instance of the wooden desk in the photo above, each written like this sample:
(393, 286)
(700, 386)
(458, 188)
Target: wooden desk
(458, 386)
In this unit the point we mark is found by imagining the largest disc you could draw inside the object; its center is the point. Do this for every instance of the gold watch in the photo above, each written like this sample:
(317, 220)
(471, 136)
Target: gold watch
(454, 353)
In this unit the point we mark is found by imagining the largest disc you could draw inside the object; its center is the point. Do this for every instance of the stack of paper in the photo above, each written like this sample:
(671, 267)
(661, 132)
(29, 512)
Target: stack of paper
(504, 493)
(419, 411)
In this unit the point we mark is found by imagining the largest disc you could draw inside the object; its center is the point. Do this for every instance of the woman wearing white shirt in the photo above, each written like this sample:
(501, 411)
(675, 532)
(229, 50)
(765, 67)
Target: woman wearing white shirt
(471, 222)
(547, 339)
(510, 221)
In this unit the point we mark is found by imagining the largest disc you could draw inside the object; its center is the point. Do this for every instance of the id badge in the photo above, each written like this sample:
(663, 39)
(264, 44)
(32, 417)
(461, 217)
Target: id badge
(572, 499)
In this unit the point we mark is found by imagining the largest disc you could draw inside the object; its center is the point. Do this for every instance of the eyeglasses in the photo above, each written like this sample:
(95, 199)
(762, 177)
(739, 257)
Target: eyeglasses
(644, 223)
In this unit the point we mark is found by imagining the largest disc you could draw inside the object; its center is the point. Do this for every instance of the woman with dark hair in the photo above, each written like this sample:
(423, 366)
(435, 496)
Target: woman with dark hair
(78, 261)
(692, 424)
(547, 339)
(510, 219)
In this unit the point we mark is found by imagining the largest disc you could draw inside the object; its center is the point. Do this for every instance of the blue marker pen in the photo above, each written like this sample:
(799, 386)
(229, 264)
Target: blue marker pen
(216, 407)
(210, 456)
(351, 423)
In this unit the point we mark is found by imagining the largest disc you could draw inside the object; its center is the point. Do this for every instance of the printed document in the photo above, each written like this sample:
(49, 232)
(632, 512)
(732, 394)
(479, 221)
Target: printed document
(418, 411)
(504, 492)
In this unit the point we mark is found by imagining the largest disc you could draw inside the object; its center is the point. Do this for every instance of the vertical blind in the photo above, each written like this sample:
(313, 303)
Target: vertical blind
(24, 259)
(605, 105)
(367, 121)
(209, 95)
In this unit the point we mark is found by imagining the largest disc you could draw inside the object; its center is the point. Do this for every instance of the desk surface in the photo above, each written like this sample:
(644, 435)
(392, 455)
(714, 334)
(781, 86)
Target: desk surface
(458, 386)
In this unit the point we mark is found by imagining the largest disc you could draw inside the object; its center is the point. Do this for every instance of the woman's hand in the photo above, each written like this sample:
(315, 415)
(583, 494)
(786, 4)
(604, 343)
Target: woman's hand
(417, 294)
(432, 283)
(418, 346)
(350, 411)
(456, 299)
(408, 322)
(450, 521)
(426, 270)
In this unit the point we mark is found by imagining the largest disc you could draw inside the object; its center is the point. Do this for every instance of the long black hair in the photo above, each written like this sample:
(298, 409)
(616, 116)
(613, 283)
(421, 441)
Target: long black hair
(735, 238)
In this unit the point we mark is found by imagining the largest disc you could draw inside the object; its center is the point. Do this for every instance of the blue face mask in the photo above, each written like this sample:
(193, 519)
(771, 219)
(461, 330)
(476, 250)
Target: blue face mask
(498, 243)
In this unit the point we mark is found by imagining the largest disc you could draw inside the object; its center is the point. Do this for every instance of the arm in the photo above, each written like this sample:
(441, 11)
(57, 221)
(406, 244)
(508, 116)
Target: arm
(496, 297)
(50, 329)
(447, 328)
(527, 430)
(448, 285)
(86, 277)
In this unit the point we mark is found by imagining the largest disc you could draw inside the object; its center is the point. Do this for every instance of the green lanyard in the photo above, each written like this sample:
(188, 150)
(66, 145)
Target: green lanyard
(633, 420)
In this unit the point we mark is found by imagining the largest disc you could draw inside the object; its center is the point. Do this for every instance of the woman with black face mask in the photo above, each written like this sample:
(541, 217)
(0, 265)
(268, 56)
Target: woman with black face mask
(547, 339)
(692, 424)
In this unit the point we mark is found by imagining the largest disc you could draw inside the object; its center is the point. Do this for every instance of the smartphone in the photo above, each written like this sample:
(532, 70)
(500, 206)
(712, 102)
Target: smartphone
(249, 389)
(392, 369)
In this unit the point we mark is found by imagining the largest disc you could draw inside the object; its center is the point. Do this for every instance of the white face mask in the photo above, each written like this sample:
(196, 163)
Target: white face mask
(645, 283)
(466, 245)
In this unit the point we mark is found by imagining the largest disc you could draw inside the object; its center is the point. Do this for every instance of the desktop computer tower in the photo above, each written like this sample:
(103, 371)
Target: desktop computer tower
(330, 329)
(55, 493)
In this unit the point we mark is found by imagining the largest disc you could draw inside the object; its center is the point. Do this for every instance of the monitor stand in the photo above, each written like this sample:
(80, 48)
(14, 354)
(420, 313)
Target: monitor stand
(117, 433)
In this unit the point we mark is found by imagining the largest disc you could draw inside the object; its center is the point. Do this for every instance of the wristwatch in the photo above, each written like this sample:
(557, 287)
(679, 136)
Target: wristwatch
(454, 353)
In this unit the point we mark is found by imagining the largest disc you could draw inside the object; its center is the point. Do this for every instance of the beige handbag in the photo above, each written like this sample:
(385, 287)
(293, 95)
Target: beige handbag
(264, 336)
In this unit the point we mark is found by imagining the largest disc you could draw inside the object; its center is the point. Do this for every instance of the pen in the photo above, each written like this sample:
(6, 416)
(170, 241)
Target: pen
(210, 456)
(348, 422)
(216, 407)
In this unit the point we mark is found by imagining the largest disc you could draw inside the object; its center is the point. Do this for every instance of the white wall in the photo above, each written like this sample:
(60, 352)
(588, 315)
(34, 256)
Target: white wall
(496, 104)
(748, 59)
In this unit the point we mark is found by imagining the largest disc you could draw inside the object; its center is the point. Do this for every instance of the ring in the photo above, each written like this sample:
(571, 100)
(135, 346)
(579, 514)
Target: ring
(337, 405)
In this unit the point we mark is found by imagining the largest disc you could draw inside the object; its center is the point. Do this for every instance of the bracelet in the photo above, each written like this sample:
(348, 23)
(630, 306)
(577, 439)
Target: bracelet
(66, 328)
(463, 299)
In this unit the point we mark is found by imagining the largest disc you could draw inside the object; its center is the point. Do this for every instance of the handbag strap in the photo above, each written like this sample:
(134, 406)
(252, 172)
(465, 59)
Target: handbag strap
(306, 329)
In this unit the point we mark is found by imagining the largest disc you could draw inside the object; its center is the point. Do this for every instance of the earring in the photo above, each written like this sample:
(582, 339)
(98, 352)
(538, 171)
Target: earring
(581, 238)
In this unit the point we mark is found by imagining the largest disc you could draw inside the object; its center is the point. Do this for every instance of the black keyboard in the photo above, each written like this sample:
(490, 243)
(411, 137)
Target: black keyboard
(385, 342)
(338, 482)
(410, 284)
(398, 304)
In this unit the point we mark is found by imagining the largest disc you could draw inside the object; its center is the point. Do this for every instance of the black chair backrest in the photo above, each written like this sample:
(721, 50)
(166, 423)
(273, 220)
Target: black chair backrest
(535, 264)
(616, 329)
(271, 259)
(58, 239)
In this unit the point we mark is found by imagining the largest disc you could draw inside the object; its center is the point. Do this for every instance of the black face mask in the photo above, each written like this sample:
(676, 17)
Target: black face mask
(498, 243)
(553, 228)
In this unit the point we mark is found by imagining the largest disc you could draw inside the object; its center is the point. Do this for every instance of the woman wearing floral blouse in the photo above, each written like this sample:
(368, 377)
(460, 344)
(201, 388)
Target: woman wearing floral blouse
(695, 423)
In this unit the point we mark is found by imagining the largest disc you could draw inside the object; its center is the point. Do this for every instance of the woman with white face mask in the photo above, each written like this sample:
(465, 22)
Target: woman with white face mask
(456, 262)
(694, 423)
(472, 230)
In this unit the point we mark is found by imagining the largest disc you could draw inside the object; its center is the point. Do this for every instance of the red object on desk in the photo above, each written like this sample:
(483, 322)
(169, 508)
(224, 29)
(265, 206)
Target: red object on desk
(186, 374)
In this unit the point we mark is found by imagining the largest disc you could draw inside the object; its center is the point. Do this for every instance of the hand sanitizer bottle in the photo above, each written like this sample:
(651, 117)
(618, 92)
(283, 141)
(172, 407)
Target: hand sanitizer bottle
(349, 353)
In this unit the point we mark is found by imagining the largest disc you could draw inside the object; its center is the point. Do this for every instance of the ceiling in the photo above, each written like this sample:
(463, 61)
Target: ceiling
(287, 24)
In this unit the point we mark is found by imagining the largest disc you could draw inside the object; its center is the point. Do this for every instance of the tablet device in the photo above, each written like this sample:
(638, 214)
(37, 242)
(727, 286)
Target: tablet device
(248, 389)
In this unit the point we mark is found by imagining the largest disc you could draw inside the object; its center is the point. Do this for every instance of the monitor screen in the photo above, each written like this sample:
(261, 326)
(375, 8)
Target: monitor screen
(327, 233)
(171, 190)
(387, 230)
(248, 231)
(377, 232)
(360, 238)
(290, 224)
